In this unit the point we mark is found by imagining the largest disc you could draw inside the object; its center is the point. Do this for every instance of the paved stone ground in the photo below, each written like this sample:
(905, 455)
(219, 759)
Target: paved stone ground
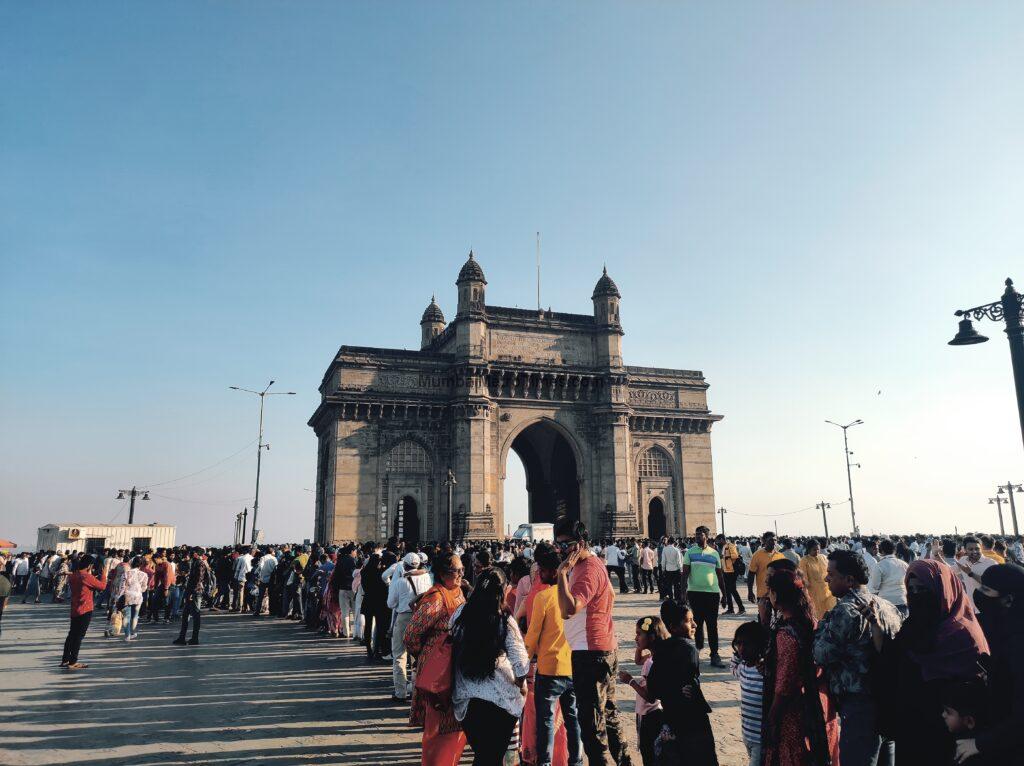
(255, 692)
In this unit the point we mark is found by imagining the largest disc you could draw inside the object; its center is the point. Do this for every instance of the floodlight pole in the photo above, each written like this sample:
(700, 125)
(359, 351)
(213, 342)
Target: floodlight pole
(849, 476)
(259, 449)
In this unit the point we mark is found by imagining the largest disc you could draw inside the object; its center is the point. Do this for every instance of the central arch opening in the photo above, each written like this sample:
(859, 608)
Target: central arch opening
(656, 519)
(407, 520)
(549, 464)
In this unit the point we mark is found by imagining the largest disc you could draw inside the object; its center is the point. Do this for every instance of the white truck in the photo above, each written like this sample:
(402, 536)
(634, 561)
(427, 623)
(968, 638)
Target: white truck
(535, 533)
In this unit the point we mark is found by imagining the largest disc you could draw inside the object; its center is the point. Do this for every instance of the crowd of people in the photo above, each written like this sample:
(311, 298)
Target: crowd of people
(858, 649)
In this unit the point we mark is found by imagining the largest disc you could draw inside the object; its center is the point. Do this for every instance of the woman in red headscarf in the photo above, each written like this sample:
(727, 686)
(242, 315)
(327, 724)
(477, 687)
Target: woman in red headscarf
(940, 642)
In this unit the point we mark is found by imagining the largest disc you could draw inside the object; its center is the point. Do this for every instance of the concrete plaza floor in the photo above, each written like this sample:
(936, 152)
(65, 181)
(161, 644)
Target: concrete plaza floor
(254, 692)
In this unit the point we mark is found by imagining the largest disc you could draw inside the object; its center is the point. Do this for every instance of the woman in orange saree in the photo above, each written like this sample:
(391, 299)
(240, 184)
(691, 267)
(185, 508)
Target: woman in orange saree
(443, 738)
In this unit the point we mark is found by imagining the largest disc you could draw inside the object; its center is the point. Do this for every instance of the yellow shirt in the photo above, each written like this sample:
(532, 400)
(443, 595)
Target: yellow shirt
(815, 568)
(729, 555)
(994, 556)
(546, 636)
(759, 567)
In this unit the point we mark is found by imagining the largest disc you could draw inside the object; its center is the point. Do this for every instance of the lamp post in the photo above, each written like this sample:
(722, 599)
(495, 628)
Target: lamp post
(1009, 308)
(824, 506)
(450, 483)
(721, 513)
(132, 494)
(849, 477)
(1009, 488)
(998, 503)
(259, 449)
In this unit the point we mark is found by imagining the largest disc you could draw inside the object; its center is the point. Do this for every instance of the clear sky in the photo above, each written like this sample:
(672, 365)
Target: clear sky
(792, 197)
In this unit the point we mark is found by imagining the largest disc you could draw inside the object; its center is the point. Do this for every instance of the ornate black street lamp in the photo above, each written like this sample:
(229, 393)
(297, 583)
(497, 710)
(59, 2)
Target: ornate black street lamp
(1010, 309)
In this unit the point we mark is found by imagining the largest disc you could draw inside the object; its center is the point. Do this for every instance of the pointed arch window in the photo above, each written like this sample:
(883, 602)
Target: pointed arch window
(408, 457)
(655, 462)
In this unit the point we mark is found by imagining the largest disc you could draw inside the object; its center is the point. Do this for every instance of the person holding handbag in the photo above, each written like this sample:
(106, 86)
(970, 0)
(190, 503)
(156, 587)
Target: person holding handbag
(426, 638)
(491, 666)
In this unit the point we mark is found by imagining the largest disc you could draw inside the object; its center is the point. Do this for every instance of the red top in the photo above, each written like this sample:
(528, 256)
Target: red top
(591, 629)
(82, 585)
(162, 578)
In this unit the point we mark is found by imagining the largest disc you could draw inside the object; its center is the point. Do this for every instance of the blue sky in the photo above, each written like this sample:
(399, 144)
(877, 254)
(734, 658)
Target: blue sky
(791, 197)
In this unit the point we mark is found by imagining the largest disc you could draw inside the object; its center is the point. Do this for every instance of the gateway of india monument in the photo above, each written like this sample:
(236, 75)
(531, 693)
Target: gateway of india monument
(414, 444)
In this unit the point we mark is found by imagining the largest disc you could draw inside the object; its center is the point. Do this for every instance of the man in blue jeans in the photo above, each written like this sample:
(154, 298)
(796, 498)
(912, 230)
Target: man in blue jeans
(545, 640)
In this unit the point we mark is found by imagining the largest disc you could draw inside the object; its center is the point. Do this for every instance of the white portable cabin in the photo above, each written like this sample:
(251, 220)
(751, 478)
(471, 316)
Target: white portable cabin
(93, 538)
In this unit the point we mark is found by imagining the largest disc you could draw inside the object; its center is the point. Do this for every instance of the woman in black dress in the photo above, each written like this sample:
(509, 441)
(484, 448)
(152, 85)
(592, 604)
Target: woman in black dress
(375, 609)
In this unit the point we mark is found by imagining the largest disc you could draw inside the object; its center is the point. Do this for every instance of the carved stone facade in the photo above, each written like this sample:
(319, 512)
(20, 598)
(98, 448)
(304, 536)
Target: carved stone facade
(626, 449)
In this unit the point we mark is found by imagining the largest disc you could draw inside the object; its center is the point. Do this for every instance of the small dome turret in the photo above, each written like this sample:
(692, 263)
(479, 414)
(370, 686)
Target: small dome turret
(471, 271)
(605, 286)
(433, 312)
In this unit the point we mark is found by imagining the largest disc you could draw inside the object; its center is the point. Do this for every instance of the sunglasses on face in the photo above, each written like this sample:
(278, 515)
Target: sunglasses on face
(565, 545)
(459, 572)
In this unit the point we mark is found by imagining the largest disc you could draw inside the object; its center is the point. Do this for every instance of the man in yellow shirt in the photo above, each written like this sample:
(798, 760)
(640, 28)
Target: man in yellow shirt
(545, 640)
(730, 555)
(759, 562)
(988, 551)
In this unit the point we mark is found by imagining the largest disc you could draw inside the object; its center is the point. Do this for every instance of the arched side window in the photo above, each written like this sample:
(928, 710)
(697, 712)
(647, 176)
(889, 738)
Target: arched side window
(654, 462)
(408, 457)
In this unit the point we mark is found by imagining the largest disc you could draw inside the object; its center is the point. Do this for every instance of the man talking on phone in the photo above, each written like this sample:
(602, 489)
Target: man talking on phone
(586, 601)
(847, 642)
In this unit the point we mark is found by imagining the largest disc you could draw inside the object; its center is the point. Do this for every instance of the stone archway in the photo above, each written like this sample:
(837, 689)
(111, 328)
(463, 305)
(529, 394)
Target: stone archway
(656, 524)
(407, 519)
(551, 463)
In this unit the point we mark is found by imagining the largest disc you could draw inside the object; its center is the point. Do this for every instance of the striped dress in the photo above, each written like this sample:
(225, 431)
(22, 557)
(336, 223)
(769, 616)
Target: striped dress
(751, 699)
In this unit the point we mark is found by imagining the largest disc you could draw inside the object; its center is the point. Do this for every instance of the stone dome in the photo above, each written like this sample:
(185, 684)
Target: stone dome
(433, 312)
(605, 286)
(471, 271)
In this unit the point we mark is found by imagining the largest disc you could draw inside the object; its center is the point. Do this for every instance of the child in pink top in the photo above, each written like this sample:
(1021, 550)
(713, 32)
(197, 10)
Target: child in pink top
(648, 714)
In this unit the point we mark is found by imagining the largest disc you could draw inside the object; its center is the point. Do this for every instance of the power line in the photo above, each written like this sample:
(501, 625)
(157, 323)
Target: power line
(778, 515)
(216, 475)
(204, 502)
(119, 512)
(202, 470)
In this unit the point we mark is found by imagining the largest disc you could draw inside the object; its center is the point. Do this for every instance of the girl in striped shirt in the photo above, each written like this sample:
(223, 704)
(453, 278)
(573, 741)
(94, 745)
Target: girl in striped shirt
(748, 648)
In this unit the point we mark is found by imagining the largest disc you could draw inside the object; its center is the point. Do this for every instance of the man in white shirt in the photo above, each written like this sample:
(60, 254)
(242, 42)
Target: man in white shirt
(870, 556)
(671, 571)
(972, 566)
(243, 565)
(648, 561)
(21, 573)
(614, 561)
(266, 568)
(407, 584)
(888, 580)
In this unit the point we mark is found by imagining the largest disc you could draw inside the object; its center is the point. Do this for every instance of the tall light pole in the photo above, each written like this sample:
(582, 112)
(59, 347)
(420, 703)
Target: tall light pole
(998, 503)
(721, 513)
(849, 477)
(259, 449)
(450, 483)
(1010, 488)
(1009, 308)
(132, 494)
(824, 507)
